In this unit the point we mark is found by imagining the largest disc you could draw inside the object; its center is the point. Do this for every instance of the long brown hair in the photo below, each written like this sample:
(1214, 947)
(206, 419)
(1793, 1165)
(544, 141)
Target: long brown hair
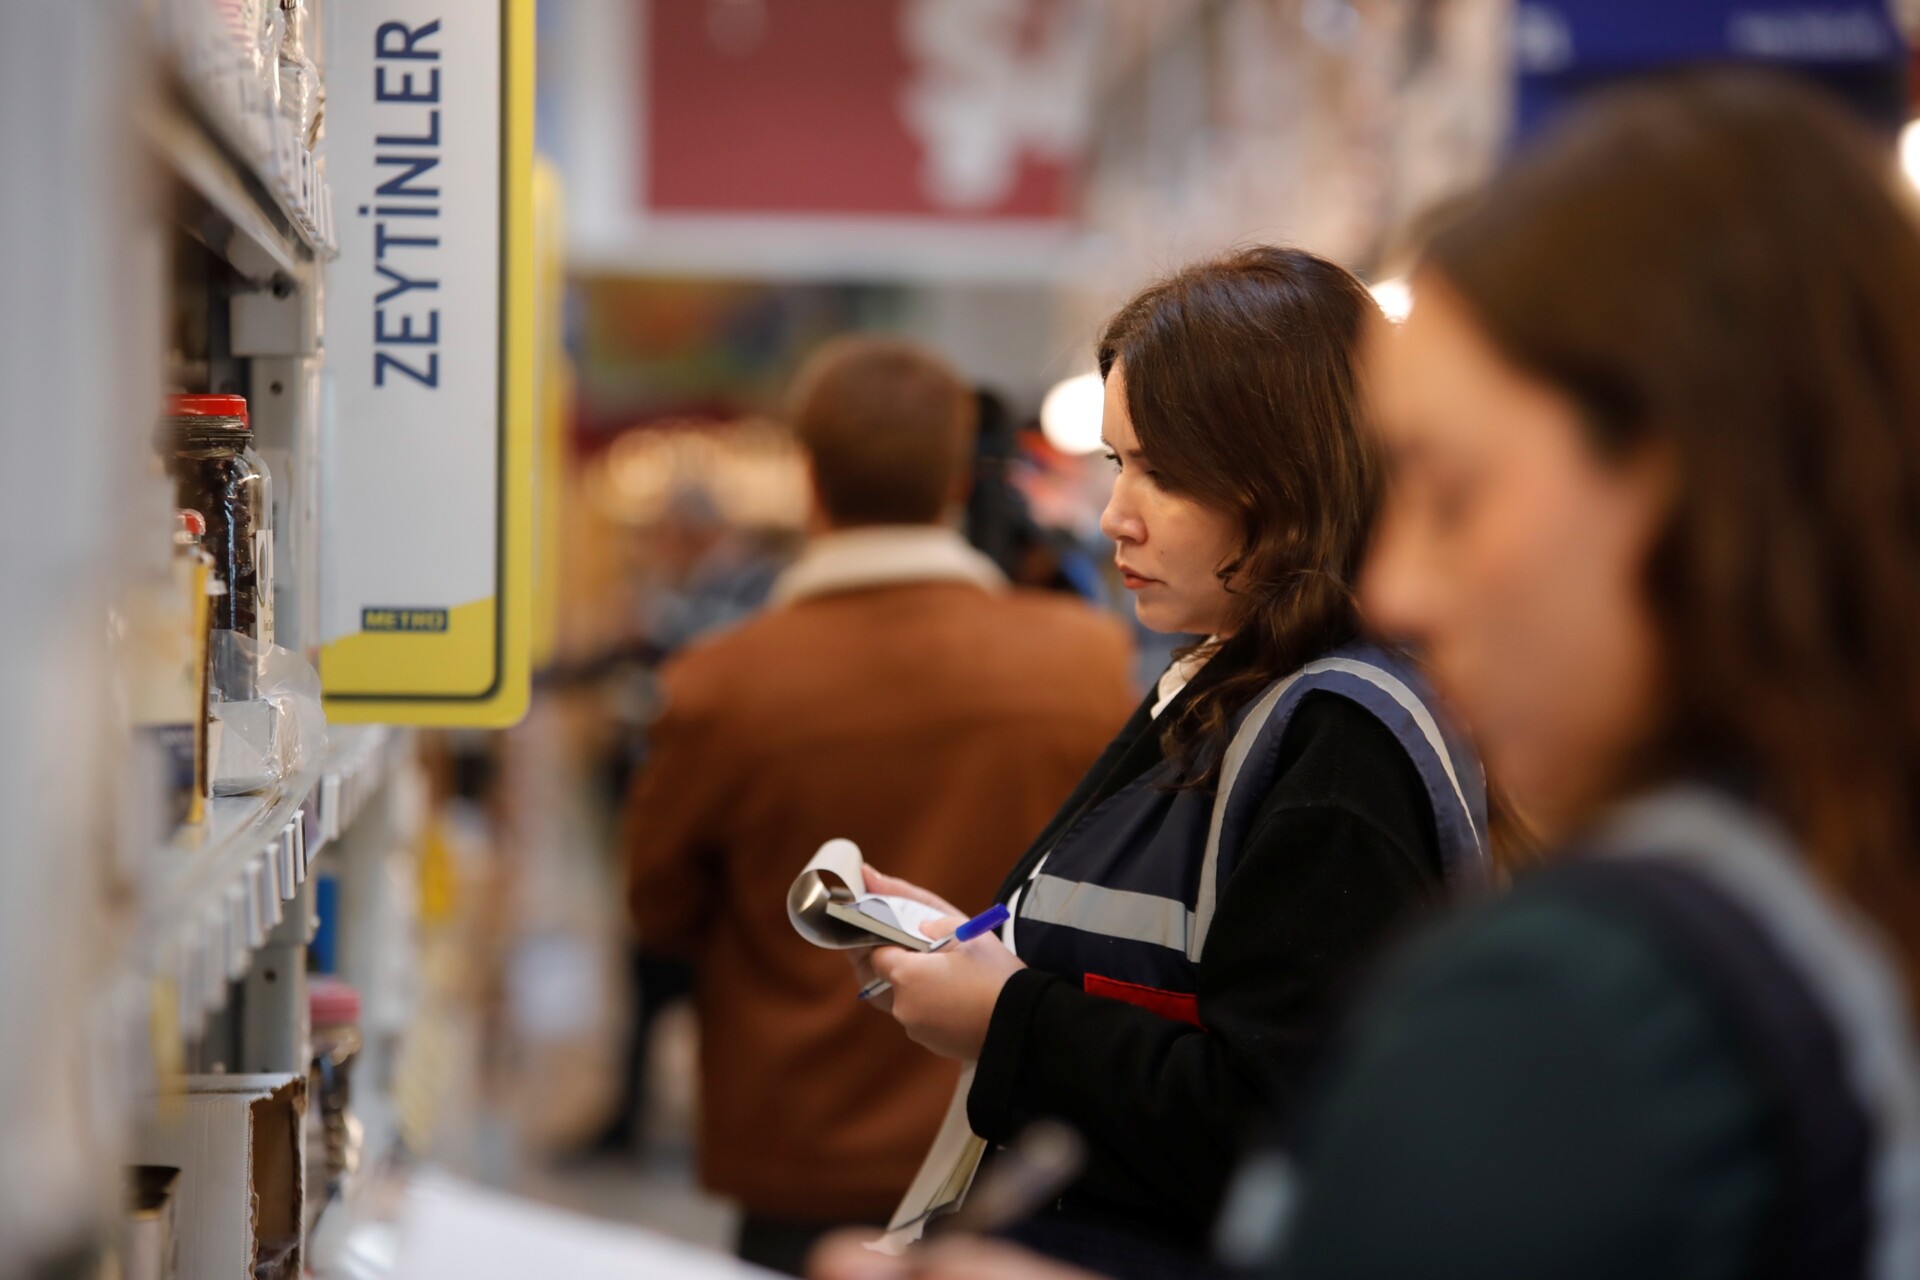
(1240, 381)
(1717, 265)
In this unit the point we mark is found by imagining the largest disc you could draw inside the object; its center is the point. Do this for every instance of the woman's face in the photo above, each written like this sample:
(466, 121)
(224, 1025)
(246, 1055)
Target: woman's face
(1170, 549)
(1510, 554)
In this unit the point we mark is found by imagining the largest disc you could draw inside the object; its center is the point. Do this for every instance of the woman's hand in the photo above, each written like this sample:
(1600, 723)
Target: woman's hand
(861, 958)
(844, 1256)
(945, 998)
(862, 961)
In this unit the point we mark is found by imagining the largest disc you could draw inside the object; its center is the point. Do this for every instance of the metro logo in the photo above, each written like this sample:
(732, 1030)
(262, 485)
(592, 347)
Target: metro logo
(403, 619)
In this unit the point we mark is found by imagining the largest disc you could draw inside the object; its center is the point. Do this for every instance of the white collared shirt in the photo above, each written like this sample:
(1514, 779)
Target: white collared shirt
(1180, 675)
(881, 556)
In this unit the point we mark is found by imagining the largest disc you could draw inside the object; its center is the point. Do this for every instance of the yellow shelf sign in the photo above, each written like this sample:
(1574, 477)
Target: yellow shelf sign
(553, 403)
(426, 571)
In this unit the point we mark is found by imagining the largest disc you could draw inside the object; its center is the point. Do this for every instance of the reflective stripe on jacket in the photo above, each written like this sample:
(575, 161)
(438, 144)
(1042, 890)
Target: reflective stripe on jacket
(1137, 876)
(1814, 998)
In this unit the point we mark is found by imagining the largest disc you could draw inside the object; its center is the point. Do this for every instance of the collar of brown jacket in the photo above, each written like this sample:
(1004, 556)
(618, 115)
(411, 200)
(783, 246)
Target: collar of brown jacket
(884, 555)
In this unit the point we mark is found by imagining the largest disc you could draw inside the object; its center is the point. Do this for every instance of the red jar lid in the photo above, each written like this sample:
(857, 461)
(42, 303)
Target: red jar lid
(191, 521)
(332, 1003)
(209, 407)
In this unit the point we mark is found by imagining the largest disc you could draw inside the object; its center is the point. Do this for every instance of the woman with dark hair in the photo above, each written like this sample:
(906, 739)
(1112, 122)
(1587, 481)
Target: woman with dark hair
(1654, 423)
(1282, 803)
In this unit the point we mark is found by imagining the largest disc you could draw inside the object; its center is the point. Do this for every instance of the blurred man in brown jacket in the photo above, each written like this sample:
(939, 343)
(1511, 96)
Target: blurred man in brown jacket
(899, 694)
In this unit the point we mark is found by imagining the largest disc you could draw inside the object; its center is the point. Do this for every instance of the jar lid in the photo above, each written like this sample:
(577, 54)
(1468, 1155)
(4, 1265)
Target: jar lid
(198, 406)
(332, 1003)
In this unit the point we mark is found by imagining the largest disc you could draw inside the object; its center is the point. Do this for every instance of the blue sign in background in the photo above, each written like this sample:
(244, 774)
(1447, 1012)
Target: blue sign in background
(1564, 49)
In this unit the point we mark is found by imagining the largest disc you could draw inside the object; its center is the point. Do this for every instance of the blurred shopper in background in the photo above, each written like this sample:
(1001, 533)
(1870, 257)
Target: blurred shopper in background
(1656, 426)
(715, 573)
(1173, 963)
(1001, 524)
(898, 694)
(705, 573)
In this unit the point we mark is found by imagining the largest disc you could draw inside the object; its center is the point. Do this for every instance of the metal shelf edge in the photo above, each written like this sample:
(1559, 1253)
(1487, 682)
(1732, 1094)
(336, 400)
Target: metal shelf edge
(226, 890)
(260, 243)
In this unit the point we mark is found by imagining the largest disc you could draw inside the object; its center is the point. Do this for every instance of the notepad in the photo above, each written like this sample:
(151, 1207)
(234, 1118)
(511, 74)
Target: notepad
(830, 907)
(945, 1175)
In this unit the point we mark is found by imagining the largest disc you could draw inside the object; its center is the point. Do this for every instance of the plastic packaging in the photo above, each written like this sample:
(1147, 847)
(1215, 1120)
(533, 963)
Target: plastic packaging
(266, 704)
(302, 97)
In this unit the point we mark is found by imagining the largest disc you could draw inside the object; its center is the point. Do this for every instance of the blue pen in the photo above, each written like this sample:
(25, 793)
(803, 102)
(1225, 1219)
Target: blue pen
(984, 923)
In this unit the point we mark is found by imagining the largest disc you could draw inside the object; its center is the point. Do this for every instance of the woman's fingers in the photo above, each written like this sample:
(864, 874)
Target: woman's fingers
(945, 999)
(865, 974)
(844, 1256)
(970, 1258)
(887, 962)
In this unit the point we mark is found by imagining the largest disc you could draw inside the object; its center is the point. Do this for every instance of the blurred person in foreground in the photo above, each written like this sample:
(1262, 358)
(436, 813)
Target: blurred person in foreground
(1655, 423)
(899, 694)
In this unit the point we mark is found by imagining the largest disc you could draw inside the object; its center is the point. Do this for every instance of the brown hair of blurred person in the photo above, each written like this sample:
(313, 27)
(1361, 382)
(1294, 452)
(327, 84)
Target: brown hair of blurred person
(888, 427)
(1302, 477)
(1638, 266)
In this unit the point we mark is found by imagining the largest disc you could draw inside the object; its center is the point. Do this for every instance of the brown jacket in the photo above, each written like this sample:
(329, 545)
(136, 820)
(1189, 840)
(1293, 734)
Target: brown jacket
(937, 725)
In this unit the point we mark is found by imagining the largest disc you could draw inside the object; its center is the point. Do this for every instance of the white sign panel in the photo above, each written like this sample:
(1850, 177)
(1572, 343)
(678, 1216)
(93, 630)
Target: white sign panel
(424, 576)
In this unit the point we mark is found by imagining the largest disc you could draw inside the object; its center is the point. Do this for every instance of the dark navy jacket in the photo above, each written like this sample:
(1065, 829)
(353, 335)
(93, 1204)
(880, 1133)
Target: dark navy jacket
(1186, 957)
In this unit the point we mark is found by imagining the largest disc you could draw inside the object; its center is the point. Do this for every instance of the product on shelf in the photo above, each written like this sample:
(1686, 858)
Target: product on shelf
(217, 473)
(301, 96)
(236, 1141)
(196, 573)
(333, 1134)
(163, 628)
(248, 69)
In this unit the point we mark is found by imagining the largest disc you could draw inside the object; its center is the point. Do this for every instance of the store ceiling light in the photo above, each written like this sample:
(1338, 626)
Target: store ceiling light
(1070, 415)
(1910, 151)
(1395, 297)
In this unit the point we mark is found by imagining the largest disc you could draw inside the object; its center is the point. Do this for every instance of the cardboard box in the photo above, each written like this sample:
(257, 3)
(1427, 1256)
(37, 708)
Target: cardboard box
(238, 1141)
(147, 1226)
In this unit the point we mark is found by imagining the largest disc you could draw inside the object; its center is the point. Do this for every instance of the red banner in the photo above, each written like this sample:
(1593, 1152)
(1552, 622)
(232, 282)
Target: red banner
(951, 109)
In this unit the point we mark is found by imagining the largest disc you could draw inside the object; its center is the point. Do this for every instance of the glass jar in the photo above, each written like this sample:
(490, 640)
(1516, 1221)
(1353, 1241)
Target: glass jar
(216, 472)
(333, 1132)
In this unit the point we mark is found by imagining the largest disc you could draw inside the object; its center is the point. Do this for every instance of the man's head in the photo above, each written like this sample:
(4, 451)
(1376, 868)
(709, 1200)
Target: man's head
(888, 429)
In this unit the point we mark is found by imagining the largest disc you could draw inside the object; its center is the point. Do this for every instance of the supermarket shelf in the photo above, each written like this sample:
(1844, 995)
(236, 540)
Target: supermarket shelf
(257, 198)
(225, 884)
(223, 888)
(355, 767)
(235, 216)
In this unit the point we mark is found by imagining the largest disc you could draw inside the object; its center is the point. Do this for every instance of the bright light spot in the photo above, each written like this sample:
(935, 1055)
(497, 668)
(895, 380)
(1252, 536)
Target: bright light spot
(1070, 415)
(1395, 297)
(1910, 151)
